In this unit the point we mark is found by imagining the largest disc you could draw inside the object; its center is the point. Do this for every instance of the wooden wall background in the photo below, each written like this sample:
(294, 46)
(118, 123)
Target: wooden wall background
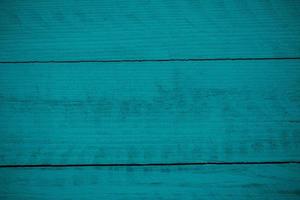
(157, 99)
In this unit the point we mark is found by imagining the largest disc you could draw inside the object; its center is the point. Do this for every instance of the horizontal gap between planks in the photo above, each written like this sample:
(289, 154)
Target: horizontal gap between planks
(147, 60)
(148, 164)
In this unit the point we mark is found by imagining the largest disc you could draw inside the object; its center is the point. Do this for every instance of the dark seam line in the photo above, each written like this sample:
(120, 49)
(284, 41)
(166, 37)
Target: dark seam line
(147, 164)
(147, 60)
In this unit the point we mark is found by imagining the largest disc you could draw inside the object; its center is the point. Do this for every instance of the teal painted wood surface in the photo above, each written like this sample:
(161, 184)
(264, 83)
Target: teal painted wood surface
(150, 112)
(159, 29)
(243, 182)
(123, 112)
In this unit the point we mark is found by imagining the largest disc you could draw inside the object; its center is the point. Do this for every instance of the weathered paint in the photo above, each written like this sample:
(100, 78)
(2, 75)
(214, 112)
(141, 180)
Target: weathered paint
(149, 112)
(242, 182)
(146, 108)
(159, 29)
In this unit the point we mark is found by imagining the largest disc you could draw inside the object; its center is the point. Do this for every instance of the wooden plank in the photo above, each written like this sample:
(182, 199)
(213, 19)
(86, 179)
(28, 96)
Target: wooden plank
(117, 29)
(185, 182)
(149, 112)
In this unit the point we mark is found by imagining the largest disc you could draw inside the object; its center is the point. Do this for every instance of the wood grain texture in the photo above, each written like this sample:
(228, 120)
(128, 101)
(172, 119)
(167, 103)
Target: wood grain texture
(149, 112)
(186, 182)
(161, 29)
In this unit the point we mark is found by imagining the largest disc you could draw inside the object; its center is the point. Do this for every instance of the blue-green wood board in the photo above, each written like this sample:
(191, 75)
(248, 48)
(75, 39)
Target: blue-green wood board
(243, 182)
(149, 112)
(44, 30)
(113, 83)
